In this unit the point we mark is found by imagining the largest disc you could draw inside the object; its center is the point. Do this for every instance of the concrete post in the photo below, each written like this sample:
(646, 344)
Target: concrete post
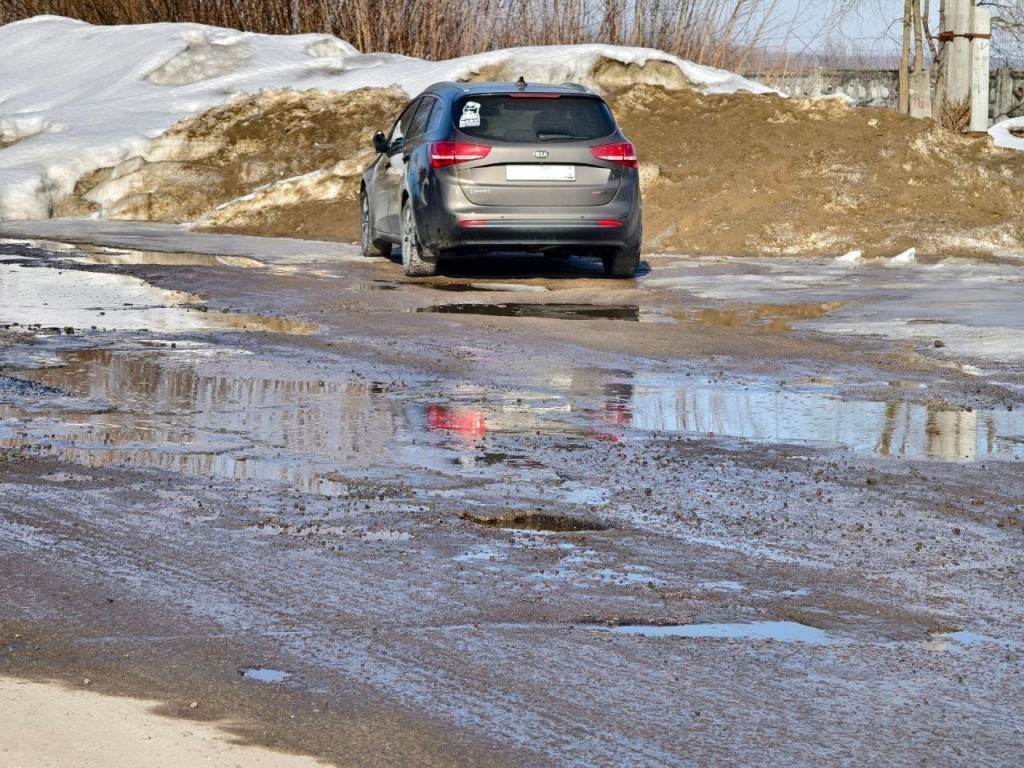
(981, 50)
(1003, 98)
(921, 94)
(958, 58)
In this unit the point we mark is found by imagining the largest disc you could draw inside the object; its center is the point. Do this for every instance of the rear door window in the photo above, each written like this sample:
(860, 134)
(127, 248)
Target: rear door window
(524, 118)
(419, 120)
(401, 126)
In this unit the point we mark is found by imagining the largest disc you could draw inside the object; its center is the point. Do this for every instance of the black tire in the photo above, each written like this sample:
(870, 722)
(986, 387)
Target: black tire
(417, 259)
(622, 262)
(373, 246)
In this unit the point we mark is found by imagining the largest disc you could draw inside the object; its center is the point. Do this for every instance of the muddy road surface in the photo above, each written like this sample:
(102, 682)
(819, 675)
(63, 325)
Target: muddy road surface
(731, 512)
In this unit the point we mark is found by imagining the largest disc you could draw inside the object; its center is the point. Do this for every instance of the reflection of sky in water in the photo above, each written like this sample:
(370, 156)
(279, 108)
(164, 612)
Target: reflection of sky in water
(783, 631)
(266, 675)
(760, 412)
(224, 413)
(195, 414)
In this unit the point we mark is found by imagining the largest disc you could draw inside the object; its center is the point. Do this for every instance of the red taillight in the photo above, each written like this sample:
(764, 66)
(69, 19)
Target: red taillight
(609, 223)
(445, 153)
(473, 223)
(623, 154)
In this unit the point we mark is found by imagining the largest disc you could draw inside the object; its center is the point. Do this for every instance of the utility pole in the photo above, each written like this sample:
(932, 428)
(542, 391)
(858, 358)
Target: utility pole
(904, 83)
(966, 36)
(981, 57)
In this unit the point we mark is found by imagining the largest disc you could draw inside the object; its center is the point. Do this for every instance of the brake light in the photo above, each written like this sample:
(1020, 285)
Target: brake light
(445, 153)
(623, 154)
(535, 96)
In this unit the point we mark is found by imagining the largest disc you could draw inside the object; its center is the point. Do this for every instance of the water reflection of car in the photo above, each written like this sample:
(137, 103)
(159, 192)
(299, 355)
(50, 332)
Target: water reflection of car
(476, 168)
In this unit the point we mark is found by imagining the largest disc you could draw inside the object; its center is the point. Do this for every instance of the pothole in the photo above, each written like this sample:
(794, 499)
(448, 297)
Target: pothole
(264, 675)
(545, 311)
(486, 287)
(778, 631)
(537, 521)
(771, 317)
(499, 459)
(947, 641)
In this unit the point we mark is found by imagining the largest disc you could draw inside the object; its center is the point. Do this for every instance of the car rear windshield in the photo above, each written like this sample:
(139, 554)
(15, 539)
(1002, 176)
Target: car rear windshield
(529, 118)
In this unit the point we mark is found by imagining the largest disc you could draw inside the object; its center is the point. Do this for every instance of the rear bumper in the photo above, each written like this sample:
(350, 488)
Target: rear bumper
(448, 221)
(530, 233)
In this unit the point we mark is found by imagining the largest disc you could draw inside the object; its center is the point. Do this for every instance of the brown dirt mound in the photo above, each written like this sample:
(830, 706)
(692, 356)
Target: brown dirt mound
(241, 147)
(751, 174)
(739, 174)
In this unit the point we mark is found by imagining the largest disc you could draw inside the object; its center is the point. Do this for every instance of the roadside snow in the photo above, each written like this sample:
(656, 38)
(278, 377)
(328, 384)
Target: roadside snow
(1001, 136)
(76, 97)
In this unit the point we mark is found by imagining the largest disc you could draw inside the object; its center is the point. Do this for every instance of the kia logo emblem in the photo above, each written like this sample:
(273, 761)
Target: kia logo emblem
(541, 153)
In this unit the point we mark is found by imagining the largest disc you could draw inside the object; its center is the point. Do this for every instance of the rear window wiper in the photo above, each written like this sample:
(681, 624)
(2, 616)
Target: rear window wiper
(561, 137)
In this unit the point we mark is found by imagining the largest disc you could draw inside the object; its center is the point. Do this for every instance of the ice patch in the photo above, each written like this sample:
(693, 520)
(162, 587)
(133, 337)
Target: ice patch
(853, 257)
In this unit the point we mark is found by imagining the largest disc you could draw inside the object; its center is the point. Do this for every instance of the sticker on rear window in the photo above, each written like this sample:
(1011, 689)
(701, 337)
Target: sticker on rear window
(470, 115)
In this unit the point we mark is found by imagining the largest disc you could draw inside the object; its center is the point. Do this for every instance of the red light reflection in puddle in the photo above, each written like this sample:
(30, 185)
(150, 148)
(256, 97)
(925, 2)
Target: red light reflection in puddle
(470, 425)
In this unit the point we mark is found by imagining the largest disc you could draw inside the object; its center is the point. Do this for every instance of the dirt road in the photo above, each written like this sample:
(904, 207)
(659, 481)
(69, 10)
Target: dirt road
(733, 512)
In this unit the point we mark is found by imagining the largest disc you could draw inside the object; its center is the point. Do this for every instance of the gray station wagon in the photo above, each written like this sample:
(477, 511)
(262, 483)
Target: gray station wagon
(473, 168)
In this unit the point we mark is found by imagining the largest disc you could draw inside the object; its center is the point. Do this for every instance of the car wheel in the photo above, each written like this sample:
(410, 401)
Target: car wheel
(373, 247)
(417, 260)
(622, 262)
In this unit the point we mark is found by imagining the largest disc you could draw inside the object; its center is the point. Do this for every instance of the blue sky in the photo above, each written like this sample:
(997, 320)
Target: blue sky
(865, 28)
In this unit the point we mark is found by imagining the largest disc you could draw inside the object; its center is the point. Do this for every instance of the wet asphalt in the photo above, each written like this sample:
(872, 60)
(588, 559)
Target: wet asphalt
(513, 515)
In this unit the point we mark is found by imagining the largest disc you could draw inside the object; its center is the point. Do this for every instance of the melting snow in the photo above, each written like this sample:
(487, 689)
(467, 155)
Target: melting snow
(1001, 136)
(75, 97)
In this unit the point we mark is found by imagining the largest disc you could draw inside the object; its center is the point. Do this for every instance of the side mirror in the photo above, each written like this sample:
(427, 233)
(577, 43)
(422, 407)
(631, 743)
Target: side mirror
(380, 142)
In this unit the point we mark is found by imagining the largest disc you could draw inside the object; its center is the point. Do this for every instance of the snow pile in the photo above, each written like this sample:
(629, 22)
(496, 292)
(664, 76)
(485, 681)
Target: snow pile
(1002, 136)
(75, 98)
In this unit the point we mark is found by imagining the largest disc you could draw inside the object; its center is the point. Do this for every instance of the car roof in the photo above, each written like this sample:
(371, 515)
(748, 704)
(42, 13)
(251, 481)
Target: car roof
(498, 88)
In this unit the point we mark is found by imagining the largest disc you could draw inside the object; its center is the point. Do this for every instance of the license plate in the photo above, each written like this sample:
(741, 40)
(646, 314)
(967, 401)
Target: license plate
(540, 173)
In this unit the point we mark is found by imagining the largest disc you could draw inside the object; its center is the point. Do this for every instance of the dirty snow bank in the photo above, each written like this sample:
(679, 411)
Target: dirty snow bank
(75, 97)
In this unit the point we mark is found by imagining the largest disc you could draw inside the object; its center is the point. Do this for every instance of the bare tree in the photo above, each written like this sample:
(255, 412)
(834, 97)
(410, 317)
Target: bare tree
(1008, 30)
(721, 33)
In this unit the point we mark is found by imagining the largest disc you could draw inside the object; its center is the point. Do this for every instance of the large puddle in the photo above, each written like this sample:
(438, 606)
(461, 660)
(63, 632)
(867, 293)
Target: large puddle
(190, 410)
(762, 411)
(771, 317)
(211, 411)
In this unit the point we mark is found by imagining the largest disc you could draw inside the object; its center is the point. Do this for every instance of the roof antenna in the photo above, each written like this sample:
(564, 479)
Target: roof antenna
(521, 83)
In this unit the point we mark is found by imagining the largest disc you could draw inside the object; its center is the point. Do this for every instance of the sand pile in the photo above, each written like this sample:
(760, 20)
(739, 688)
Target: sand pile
(281, 163)
(729, 174)
(765, 175)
